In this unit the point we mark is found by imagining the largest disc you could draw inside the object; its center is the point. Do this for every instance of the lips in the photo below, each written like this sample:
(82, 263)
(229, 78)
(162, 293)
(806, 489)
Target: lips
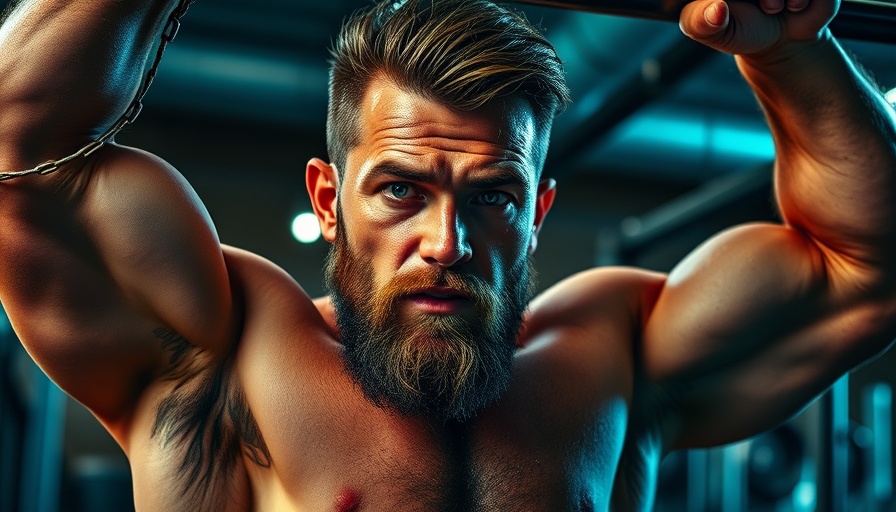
(440, 300)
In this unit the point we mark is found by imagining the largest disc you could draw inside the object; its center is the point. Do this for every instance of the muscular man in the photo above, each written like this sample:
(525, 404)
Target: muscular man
(428, 381)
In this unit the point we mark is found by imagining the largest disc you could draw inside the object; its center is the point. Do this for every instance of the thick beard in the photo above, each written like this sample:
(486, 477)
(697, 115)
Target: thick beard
(444, 367)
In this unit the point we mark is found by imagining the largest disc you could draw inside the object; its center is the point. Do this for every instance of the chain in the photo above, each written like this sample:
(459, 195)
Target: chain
(133, 110)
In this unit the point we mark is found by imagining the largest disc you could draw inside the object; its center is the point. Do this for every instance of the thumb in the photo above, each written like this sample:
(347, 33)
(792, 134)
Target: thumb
(704, 20)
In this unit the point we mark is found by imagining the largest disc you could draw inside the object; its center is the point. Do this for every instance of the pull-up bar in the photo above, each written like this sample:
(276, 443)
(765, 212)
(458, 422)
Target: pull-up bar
(869, 20)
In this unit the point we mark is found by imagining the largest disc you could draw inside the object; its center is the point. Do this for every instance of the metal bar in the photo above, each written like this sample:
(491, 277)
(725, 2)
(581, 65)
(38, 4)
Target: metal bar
(878, 416)
(833, 493)
(866, 20)
(734, 477)
(697, 476)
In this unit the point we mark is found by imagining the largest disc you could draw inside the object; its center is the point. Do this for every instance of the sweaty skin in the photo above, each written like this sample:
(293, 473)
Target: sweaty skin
(223, 381)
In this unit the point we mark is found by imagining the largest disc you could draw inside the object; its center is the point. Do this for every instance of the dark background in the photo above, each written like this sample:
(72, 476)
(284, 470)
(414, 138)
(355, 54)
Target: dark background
(674, 149)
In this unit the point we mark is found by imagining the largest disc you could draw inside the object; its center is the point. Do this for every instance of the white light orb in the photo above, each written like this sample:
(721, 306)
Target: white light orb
(305, 228)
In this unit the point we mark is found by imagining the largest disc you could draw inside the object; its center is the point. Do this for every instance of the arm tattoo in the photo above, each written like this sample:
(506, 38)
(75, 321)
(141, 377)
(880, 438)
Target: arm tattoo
(206, 420)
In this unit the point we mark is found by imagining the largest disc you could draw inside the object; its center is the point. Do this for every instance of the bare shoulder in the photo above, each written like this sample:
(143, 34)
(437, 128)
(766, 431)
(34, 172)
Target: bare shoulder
(275, 307)
(260, 278)
(144, 186)
(596, 296)
(159, 243)
(582, 332)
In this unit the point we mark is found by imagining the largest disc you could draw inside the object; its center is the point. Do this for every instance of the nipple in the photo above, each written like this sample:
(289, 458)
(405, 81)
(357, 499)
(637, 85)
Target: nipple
(348, 501)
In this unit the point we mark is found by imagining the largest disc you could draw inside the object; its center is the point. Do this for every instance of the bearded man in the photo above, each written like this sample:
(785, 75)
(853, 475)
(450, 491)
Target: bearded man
(428, 380)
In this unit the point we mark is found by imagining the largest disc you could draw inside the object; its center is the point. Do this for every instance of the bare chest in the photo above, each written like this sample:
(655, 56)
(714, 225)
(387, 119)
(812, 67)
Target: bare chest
(465, 470)
(370, 460)
(551, 443)
(536, 449)
(323, 447)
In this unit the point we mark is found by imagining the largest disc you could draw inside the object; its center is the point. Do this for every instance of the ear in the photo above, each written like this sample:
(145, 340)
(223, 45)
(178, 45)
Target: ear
(547, 189)
(321, 180)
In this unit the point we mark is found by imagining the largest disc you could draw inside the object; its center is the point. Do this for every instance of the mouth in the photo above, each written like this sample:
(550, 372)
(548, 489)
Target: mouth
(439, 300)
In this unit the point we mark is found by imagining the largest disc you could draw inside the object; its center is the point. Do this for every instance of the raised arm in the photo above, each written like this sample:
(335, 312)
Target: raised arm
(69, 69)
(110, 264)
(762, 318)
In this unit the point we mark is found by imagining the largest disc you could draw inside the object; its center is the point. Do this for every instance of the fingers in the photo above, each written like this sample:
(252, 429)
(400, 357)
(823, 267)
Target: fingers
(797, 5)
(741, 27)
(772, 6)
(703, 19)
(777, 6)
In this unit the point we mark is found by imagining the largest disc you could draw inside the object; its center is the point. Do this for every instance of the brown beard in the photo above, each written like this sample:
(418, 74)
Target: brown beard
(442, 366)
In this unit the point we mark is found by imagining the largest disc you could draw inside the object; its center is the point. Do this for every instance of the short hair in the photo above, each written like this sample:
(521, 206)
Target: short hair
(462, 53)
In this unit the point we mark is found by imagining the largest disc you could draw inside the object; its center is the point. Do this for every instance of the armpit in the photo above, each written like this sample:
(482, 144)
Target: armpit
(205, 424)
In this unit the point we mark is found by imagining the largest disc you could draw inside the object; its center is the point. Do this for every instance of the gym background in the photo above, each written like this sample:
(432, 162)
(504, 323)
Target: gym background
(663, 146)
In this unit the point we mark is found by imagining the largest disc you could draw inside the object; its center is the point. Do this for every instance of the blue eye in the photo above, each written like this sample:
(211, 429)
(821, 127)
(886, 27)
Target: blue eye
(400, 190)
(493, 198)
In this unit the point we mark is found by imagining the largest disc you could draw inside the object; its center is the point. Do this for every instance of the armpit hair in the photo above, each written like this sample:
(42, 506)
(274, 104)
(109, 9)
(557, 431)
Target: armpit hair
(206, 422)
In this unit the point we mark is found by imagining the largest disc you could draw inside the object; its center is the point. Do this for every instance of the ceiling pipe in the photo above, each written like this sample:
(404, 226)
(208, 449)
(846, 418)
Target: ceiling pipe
(867, 20)
(655, 76)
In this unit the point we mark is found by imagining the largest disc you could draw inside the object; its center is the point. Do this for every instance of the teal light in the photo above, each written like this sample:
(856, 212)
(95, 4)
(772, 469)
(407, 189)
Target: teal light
(804, 496)
(696, 133)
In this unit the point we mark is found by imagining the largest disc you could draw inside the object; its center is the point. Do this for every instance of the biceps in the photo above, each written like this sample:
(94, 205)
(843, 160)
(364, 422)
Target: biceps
(768, 387)
(160, 248)
(737, 294)
(74, 322)
(88, 283)
(755, 324)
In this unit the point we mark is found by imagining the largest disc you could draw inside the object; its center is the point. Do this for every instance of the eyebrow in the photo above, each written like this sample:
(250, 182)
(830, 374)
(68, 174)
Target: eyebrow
(499, 175)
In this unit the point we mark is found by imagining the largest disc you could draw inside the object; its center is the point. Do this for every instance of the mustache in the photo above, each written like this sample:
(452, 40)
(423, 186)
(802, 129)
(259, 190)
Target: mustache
(419, 279)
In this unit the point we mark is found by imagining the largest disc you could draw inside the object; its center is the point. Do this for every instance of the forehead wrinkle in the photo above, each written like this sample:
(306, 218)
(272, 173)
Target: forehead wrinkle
(464, 160)
(445, 172)
(404, 137)
(441, 163)
(407, 129)
(420, 146)
(515, 137)
(406, 122)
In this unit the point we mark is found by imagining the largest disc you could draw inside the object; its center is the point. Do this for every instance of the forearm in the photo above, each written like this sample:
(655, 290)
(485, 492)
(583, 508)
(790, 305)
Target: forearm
(69, 69)
(835, 137)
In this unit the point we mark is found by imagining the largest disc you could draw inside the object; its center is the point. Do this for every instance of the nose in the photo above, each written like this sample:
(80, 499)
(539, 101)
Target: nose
(444, 237)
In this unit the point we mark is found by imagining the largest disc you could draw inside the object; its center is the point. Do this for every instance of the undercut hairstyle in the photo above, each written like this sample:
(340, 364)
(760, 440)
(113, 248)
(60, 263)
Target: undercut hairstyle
(461, 53)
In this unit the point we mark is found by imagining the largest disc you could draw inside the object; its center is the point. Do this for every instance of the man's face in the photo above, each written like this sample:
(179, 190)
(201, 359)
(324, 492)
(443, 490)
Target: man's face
(430, 266)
